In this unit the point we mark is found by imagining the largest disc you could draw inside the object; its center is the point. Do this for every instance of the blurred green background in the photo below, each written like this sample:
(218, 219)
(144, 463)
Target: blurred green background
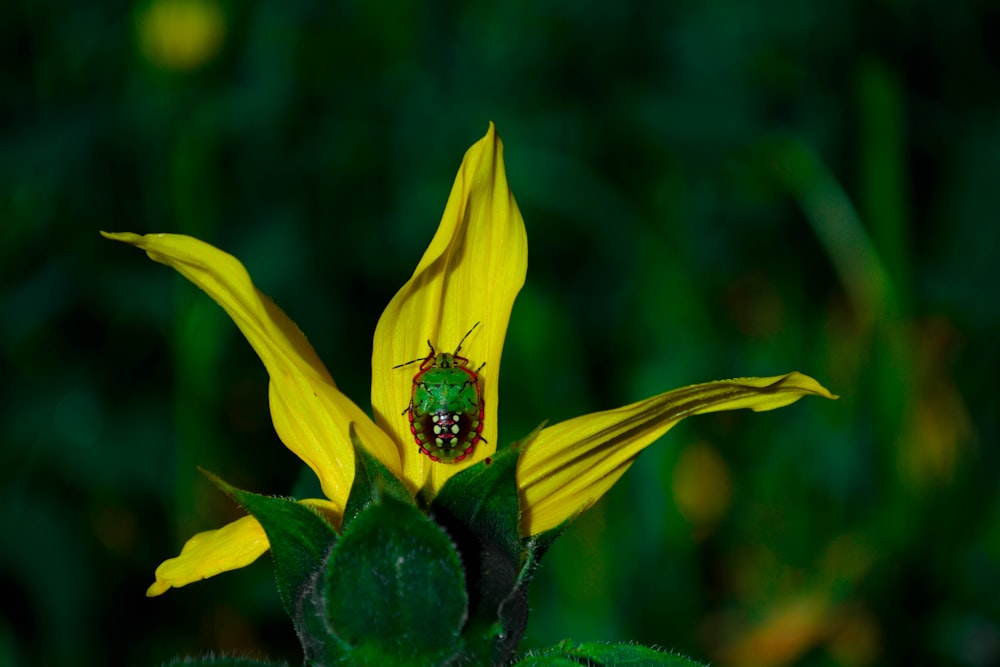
(711, 189)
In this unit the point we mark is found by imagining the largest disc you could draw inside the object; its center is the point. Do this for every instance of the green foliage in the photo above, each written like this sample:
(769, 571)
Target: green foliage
(395, 590)
(299, 539)
(396, 586)
(371, 482)
(479, 509)
(596, 654)
(301, 542)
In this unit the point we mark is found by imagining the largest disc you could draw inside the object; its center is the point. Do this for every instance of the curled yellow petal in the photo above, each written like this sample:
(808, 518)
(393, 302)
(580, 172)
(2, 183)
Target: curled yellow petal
(231, 547)
(311, 416)
(471, 272)
(212, 552)
(570, 465)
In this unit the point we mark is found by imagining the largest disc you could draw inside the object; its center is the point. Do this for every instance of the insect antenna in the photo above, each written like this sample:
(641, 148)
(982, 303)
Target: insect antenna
(466, 336)
(433, 352)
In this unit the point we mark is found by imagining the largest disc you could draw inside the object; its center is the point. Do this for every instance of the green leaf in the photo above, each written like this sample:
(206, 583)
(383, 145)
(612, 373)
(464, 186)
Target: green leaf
(371, 479)
(599, 654)
(484, 498)
(301, 541)
(547, 661)
(479, 509)
(630, 654)
(395, 590)
(300, 538)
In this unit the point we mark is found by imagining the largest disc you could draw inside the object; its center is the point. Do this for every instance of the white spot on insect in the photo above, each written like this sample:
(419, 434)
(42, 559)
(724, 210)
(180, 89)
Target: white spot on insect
(437, 429)
(455, 429)
(435, 417)
(439, 441)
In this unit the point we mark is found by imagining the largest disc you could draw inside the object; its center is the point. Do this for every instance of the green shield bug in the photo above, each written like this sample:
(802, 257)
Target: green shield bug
(446, 406)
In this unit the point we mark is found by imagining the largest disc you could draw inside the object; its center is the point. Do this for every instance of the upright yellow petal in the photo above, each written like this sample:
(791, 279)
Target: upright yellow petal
(570, 465)
(310, 414)
(471, 272)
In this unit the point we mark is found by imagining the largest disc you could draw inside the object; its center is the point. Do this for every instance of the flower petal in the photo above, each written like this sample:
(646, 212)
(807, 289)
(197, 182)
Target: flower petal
(212, 552)
(471, 272)
(310, 414)
(570, 465)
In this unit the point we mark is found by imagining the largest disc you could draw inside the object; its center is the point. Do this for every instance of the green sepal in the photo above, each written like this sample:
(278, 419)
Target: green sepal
(599, 654)
(301, 541)
(300, 538)
(371, 480)
(479, 509)
(395, 590)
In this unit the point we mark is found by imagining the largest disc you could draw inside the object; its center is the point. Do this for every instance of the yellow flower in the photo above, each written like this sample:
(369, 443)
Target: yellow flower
(481, 240)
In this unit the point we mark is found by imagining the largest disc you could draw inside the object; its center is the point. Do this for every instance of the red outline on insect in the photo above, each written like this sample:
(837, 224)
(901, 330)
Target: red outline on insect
(428, 363)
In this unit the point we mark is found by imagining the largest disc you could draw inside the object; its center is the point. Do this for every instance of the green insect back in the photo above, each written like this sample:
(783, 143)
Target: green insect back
(446, 407)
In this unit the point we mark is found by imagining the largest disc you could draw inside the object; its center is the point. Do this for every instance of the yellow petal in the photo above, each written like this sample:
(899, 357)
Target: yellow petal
(211, 552)
(231, 547)
(471, 272)
(570, 465)
(310, 414)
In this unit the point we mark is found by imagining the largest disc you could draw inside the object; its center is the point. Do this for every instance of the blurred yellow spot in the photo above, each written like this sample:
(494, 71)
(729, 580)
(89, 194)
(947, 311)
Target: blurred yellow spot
(789, 629)
(938, 424)
(701, 485)
(181, 34)
(803, 617)
(858, 640)
(795, 625)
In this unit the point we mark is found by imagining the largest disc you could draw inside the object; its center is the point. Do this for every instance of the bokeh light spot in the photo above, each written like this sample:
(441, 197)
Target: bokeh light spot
(180, 35)
(702, 486)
